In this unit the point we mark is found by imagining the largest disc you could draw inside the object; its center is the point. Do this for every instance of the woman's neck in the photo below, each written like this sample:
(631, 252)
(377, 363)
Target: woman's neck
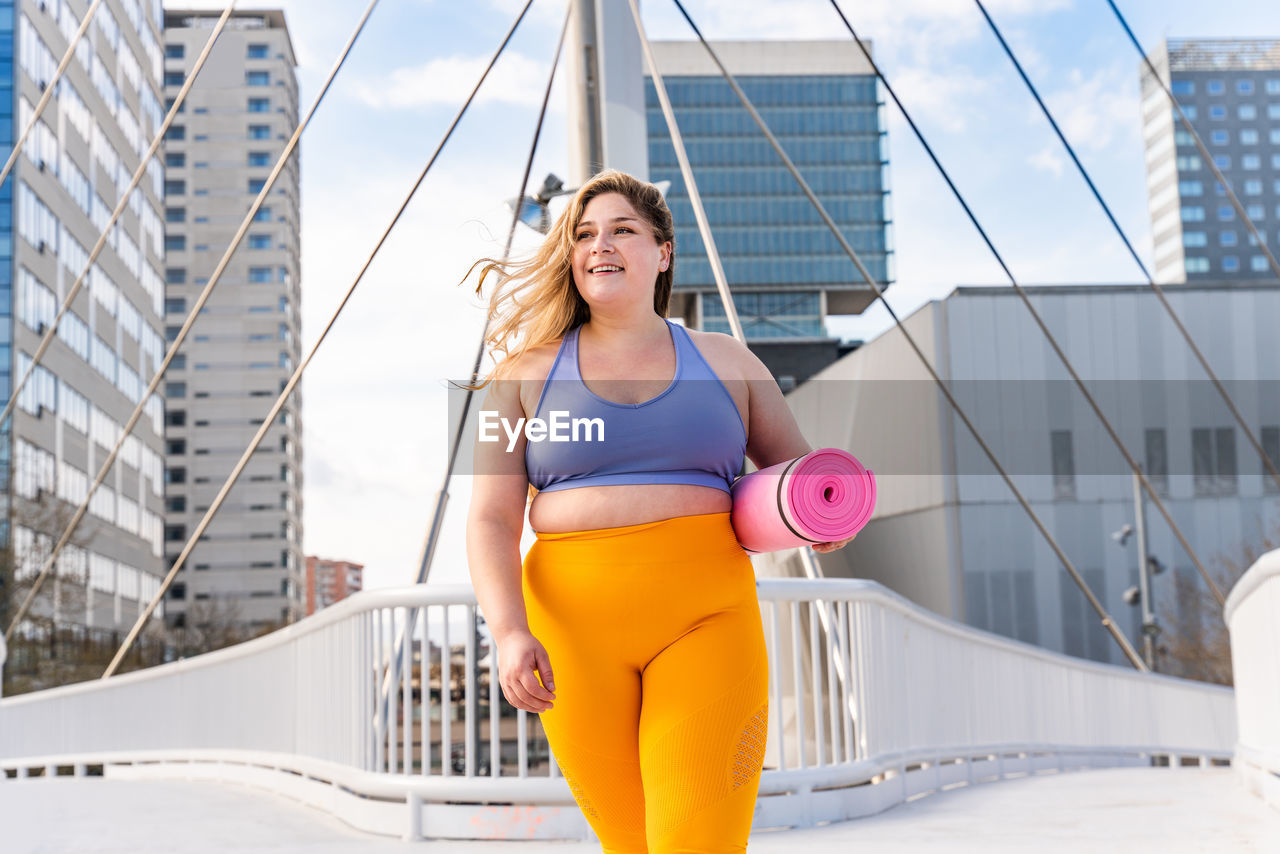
(625, 332)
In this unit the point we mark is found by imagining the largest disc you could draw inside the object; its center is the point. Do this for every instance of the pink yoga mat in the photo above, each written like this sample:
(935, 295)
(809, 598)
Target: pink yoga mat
(822, 497)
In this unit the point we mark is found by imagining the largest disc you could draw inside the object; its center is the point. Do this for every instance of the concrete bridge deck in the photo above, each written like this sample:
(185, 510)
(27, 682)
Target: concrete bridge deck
(1131, 810)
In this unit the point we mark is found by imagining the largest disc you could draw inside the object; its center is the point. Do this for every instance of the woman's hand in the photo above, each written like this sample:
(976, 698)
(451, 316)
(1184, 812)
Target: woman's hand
(824, 548)
(521, 660)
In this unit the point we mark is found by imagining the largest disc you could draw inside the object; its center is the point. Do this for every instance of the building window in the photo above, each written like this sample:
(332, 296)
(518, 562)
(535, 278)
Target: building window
(1230, 264)
(1273, 112)
(259, 132)
(176, 133)
(259, 158)
(1248, 137)
(259, 275)
(1183, 87)
(175, 188)
(1225, 213)
(175, 214)
(176, 504)
(175, 159)
(1247, 112)
(175, 390)
(1217, 112)
(1222, 161)
(259, 105)
(1188, 111)
(1064, 467)
(175, 242)
(175, 305)
(1216, 137)
(1271, 447)
(171, 332)
(1157, 460)
(176, 533)
(174, 78)
(1194, 239)
(1190, 188)
(178, 474)
(1273, 87)
(1259, 264)
(1215, 87)
(1244, 87)
(259, 241)
(175, 417)
(1192, 213)
(1213, 461)
(174, 51)
(256, 184)
(1227, 238)
(1251, 161)
(257, 51)
(175, 275)
(1255, 212)
(1253, 188)
(263, 214)
(257, 78)
(175, 446)
(1196, 265)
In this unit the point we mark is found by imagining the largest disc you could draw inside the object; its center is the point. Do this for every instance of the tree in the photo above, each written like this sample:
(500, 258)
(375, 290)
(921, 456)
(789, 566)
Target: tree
(1195, 643)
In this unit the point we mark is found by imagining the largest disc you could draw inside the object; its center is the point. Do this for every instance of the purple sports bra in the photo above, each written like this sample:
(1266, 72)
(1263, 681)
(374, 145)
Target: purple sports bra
(690, 433)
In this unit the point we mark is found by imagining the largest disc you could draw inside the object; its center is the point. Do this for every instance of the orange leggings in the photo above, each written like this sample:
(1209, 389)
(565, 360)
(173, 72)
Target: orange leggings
(661, 675)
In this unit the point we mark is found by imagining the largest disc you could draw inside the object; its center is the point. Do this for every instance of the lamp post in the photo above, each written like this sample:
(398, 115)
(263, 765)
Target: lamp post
(1146, 565)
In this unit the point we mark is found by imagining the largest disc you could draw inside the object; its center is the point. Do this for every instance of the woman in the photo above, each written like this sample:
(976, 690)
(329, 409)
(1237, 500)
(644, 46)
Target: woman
(636, 591)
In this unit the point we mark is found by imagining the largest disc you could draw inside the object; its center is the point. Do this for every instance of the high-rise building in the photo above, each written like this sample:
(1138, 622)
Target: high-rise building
(1230, 92)
(76, 164)
(787, 271)
(330, 581)
(241, 110)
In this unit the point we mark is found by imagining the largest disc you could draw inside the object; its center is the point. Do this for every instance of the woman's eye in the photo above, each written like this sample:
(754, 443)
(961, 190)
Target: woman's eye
(583, 235)
(622, 228)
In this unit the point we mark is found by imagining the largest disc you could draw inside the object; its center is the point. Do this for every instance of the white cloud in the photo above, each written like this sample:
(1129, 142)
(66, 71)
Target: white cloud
(1048, 159)
(1097, 110)
(516, 79)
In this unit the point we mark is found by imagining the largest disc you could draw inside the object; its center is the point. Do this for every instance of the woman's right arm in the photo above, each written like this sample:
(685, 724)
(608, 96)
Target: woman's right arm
(494, 525)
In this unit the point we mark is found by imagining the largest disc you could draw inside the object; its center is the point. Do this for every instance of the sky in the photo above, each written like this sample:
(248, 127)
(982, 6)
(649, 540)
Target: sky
(375, 419)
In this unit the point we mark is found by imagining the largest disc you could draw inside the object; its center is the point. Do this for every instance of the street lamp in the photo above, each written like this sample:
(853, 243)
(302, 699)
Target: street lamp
(1147, 566)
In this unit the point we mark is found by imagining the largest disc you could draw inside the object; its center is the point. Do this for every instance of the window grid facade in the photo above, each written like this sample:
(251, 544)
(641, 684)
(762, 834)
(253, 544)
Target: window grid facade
(779, 257)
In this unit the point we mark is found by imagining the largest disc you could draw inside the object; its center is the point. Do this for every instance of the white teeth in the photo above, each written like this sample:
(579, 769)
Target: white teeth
(606, 268)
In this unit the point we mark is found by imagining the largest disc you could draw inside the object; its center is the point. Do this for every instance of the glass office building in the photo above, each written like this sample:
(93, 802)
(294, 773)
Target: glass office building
(786, 269)
(1229, 90)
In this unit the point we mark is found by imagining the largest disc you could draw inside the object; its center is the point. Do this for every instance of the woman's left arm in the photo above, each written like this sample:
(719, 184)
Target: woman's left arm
(772, 433)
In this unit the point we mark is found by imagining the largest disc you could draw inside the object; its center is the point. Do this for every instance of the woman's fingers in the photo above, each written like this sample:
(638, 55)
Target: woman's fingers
(543, 664)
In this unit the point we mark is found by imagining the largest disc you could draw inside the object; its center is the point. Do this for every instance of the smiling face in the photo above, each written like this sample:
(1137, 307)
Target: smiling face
(616, 257)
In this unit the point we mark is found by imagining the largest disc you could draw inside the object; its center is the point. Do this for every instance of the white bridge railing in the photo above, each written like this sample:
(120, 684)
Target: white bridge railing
(872, 700)
(1253, 616)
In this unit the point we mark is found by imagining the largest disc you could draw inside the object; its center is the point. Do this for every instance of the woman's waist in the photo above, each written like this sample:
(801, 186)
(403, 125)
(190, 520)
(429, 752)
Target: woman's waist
(590, 508)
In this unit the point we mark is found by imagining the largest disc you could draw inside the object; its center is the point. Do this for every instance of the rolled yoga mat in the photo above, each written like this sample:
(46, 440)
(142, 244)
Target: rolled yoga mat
(822, 497)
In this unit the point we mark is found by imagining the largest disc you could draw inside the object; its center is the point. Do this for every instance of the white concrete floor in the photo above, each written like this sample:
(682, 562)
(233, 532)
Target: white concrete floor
(1129, 810)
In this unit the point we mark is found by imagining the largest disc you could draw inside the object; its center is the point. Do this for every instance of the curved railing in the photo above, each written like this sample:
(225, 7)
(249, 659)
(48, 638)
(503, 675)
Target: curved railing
(1253, 616)
(872, 700)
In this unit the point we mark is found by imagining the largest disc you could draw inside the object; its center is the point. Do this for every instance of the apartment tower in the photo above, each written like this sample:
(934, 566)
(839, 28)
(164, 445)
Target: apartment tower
(243, 107)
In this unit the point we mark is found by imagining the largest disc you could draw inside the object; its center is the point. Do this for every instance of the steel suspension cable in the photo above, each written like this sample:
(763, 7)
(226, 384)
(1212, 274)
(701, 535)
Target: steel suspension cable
(1107, 621)
(1200, 146)
(396, 650)
(49, 88)
(1053, 342)
(178, 100)
(442, 497)
(686, 171)
(182, 333)
(296, 376)
(1177, 322)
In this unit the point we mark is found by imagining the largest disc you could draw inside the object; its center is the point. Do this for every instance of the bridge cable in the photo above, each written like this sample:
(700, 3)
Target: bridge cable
(442, 497)
(1107, 621)
(186, 326)
(1259, 239)
(296, 377)
(1275, 474)
(695, 199)
(52, 329)
(1053, 342)
(49, 87)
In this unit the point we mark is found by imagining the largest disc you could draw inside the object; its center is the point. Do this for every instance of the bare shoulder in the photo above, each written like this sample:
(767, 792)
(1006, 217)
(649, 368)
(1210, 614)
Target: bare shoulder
(728, 355)
(525, 375)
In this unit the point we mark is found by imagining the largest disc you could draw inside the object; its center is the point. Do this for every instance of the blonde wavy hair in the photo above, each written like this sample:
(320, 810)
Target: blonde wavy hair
(536, 301)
